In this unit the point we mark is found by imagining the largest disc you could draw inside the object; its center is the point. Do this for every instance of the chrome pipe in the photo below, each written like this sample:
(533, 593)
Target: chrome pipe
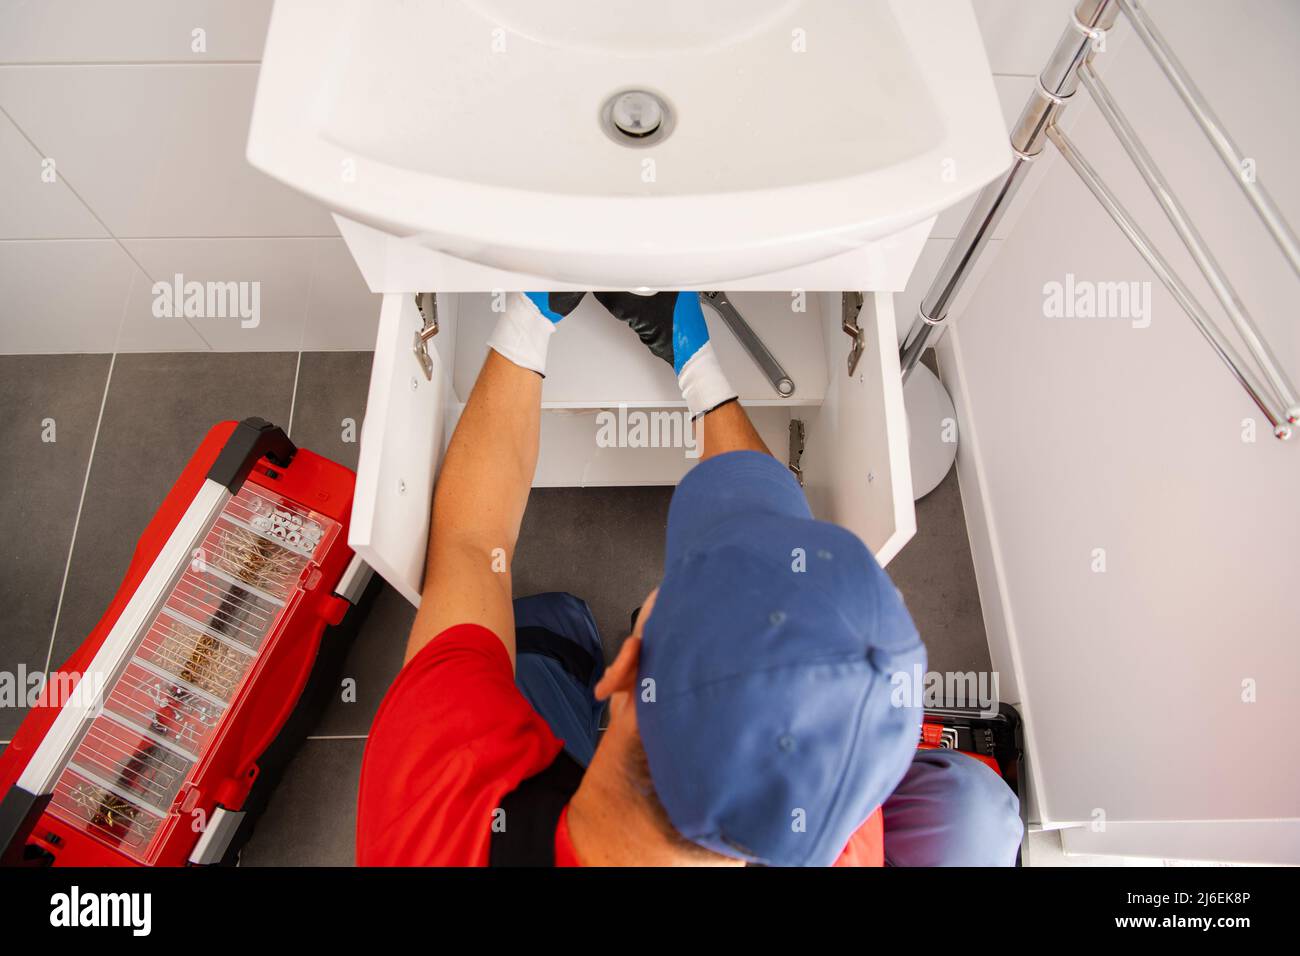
(1091, 19)
(1056, 84)
(1160, 266)
(990, 206)
(1214, 131)
(1255, 343)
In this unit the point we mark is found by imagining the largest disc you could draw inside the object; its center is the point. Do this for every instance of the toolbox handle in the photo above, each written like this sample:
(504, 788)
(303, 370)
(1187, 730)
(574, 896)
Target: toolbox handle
(19, 813)
(252, 440)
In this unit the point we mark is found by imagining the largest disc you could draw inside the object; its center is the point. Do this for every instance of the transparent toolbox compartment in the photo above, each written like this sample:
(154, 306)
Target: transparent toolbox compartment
(195, 657)
(187, 667)
(228, 610)
(127, 761)
(168, 710)
(102, 813)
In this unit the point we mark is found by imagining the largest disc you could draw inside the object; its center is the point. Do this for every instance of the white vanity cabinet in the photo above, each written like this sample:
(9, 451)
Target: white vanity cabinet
(469, 146)
(602, 385)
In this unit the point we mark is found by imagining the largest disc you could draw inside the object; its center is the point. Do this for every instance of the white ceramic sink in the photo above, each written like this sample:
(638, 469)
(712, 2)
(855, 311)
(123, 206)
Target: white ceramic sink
(799, 128)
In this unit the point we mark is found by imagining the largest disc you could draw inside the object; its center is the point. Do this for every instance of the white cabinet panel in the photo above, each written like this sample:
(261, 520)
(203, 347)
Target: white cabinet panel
(574, 451)
(391, 264)
(92, 31)
(402, 442)
(158, 150)
(855, 463)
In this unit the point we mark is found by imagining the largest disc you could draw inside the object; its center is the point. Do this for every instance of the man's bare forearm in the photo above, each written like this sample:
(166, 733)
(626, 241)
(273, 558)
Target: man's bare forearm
(479, 504)
(488, 470)
(728, 428)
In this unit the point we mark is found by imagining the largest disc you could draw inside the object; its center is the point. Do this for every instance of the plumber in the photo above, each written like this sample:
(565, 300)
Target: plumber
(750, 714)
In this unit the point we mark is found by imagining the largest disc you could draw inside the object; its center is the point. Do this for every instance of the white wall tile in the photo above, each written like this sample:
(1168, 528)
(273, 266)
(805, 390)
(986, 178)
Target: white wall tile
(158, 150)
(142, 331)
(311, 294)
(95, 31)
(1019, 35)
(62, 295)
(34, 208)
(281, 267)
(342, 313)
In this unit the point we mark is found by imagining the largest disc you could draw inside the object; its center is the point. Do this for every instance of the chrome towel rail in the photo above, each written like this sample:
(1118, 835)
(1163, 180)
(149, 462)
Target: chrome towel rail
(1071, 64)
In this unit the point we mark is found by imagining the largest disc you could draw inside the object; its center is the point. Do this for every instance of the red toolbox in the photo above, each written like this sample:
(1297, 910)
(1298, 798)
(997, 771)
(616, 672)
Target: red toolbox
(146, 745)
(991, 738)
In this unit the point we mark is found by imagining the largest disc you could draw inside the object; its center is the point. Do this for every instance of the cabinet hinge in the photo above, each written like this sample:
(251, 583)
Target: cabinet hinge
(850, 308)
(796, 449)
(427, 303)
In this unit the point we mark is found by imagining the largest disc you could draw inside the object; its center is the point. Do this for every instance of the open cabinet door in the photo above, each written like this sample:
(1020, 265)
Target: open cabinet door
(855, 460)
(402, 442)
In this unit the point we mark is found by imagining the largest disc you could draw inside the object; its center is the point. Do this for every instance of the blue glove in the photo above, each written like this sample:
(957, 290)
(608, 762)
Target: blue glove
(555, 305)
(672, 326)
(523, 332)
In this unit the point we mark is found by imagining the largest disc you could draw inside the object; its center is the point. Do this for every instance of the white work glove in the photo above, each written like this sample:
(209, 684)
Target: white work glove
(524, 330)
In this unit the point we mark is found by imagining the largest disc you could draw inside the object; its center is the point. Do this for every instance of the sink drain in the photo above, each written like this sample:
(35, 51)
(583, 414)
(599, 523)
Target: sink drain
(636, 118)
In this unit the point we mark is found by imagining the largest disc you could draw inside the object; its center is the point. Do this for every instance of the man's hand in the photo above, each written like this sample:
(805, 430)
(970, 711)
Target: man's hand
(672, 326)
(524, 331)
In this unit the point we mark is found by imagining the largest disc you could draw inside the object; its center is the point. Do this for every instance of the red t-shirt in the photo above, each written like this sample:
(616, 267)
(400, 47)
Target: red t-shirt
(453, 736)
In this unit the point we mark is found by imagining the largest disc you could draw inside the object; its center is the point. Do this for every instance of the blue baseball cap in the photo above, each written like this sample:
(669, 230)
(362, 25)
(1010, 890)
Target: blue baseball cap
(770, 726)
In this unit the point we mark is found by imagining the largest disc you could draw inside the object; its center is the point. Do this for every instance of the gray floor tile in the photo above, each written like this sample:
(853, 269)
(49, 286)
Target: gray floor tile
(935, 573)
(160, 405)
(331, 387)
(42, 486)
(373, 662)
(605, 545)
(311, 819)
